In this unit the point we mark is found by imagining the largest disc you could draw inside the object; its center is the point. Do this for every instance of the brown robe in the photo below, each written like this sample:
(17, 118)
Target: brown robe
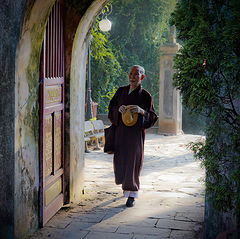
(129, 141)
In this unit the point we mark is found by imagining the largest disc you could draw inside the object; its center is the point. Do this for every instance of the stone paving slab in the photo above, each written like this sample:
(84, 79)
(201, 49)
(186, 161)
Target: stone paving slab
(60, 233)
(176, 224)
(60, 222)
(193, 216)
(151, 231)
(170, 203)
(104, 235)
(180, 234)
(149, 237)
(89, 217)
(131, 220)
(103, 227)
(80, 226)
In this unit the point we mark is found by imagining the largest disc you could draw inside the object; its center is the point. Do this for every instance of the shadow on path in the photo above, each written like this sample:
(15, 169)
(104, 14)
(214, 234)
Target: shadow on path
(170, 204)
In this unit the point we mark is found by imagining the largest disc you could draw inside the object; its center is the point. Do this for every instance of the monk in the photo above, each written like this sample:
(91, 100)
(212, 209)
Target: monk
(129, 140)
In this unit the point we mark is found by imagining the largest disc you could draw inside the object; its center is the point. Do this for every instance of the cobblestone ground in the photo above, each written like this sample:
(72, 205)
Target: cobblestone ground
(170, 203)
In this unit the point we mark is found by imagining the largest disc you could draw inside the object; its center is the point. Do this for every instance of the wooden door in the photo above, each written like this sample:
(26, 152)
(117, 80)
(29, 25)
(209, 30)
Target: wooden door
(52, 117)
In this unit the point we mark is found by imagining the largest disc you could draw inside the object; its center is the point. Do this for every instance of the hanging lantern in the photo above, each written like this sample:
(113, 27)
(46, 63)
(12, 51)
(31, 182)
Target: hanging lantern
(105, 25)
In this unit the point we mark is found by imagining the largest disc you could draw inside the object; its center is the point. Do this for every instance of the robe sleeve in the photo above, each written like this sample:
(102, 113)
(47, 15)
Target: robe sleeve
(150, 116)
(113, 107)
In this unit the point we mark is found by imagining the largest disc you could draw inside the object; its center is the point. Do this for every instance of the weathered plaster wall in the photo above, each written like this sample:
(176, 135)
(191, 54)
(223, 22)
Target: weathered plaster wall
(27, 122)
(77, 98)
(10, 19)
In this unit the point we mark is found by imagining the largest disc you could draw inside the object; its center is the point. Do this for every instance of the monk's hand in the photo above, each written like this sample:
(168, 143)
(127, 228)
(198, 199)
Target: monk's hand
(122, 109)
(137, 109)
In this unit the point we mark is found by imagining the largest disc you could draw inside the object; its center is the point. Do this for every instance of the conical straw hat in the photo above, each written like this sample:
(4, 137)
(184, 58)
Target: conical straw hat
(128, 118)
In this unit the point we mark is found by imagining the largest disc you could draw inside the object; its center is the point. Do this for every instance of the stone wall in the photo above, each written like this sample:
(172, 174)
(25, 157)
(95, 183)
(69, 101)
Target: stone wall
(217, 221)
(27, 77)
(10, 19)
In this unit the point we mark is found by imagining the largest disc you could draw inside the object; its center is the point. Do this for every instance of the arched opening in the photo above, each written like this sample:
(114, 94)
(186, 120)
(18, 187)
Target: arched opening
(26, 124)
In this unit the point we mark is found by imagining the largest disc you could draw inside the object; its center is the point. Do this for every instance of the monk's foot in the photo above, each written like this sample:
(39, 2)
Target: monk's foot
(130, 202)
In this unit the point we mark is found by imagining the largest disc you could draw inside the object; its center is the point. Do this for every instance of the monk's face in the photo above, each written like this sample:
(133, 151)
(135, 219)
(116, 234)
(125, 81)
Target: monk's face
(135, 77)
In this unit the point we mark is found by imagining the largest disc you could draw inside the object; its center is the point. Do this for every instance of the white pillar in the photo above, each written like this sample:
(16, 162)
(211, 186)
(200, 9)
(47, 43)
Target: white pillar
(170, 107)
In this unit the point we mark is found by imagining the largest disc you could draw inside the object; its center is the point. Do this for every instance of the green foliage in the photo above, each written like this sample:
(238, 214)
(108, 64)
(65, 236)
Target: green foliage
(99, 48)
(109, 95)
(105, 66)
(139, 27)
(211, 32)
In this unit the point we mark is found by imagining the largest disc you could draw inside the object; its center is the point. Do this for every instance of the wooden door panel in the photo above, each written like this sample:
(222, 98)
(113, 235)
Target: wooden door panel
(58, 116)
(48, 149)
(52, 117)
(53, 191)
(53, 95)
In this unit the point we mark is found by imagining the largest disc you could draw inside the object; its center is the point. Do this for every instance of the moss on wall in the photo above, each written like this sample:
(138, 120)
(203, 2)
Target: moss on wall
(28, 10)
(31, 118)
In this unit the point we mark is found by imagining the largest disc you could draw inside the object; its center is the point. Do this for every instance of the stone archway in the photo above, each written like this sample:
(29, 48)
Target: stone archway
(26, 123)
(26, 137)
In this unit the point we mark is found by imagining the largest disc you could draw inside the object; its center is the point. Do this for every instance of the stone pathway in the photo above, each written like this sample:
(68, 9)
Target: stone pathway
(170, 203)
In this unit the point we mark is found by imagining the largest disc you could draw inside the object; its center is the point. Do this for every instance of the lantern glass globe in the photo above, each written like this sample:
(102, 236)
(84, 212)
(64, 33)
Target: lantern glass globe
(105, 25)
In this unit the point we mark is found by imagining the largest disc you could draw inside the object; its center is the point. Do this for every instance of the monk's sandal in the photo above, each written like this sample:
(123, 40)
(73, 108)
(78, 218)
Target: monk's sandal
(130, 202)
